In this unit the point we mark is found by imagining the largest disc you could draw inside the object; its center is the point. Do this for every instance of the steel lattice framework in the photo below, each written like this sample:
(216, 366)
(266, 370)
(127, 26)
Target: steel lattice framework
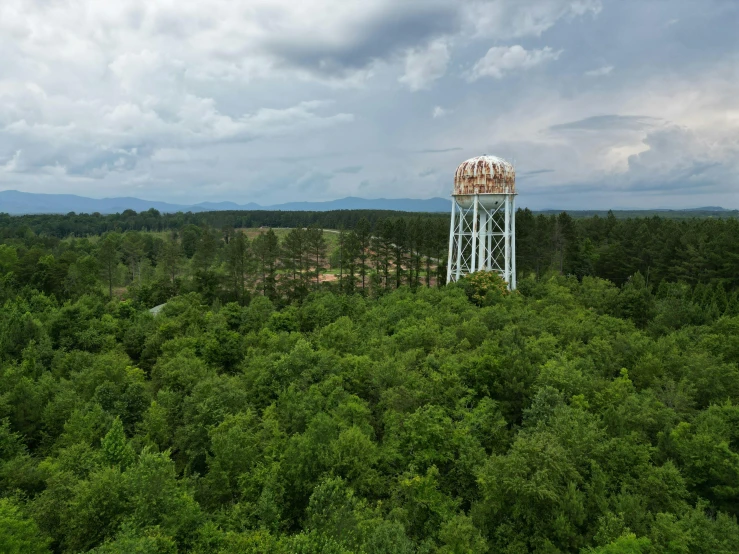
(482, 236)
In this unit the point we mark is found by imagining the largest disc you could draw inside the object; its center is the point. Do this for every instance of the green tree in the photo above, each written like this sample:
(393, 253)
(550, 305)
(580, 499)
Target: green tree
(294, 254)
(636, 301)
(133, 250)
(382, 245)
(317, 247)
(8, 258)
(114, 446)
(108, 257)
(399, 248)
(18, 534)
(266, 248)
(190, 237)
(350, 257)
(158, 499)
(364, 238)
(240, 265)
(170, 260)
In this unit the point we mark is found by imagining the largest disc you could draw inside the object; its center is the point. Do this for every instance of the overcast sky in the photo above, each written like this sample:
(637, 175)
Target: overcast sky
(599, 103)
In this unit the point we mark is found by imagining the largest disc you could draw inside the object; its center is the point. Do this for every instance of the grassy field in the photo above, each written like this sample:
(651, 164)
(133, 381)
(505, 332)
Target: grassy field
(331, 235)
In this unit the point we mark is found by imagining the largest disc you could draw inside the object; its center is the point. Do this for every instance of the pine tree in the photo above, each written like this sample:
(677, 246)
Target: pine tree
(342, 244)
(170, 259)
(267, 251)
(133, 252)
(720, 298)
(701, 293)
(108, 256)
(364, 236)
(441, 250)
(239, 262)
(228, 233)
(386, 250)
(206, 253)
(114, 446)
(636, 301)
(563, 239)
(351, 257)
(732, 307)
(400, 239)
(316, 249)
(294, 259)
(380, 244)
(415, 246)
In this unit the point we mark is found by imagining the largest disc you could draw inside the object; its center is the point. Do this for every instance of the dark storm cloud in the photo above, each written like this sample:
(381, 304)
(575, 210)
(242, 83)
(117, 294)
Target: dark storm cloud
(608, 123)
(398, 27)
(640, 39)
(694, 179)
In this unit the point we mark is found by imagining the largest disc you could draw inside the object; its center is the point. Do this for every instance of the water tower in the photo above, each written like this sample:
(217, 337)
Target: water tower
(482, 234)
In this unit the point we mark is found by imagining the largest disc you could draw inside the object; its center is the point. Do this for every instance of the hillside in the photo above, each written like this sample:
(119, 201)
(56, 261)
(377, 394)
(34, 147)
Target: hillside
(17, 203)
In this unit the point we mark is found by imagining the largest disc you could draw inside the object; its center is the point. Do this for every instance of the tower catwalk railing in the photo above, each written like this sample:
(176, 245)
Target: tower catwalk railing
(482, 236)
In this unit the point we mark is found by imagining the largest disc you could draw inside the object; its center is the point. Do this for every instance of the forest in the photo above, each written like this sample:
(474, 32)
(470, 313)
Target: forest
(308, 383)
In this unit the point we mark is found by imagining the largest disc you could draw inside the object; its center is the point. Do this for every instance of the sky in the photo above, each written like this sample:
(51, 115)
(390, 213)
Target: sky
(598, 103)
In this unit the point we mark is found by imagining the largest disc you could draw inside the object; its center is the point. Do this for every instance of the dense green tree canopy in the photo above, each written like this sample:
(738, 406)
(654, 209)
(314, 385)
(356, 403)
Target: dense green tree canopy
(266, 408)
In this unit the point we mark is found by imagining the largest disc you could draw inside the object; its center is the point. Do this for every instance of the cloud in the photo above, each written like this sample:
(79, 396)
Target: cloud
(245, 99)
(600, 72)
(171, 155)
(13, 164)
(674, 163)
(438, 112)
(501, 60)
(426, 65)
(353, 169)
(354, 38)
(535, 172)
(91, 88)
(677, 158)
(608, 123)
(504, 19)
(439, 150)
(109, 138)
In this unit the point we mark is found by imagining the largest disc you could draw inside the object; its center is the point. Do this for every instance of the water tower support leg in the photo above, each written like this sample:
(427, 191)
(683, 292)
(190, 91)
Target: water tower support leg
(482, 240)
(452, 232)
(513, 243)
(490, 242)
(507, 237)
(475, 228)
(460, 243)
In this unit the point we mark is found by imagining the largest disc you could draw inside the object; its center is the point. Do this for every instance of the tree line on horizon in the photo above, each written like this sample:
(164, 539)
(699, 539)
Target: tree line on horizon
(225, 264)
(152, 257)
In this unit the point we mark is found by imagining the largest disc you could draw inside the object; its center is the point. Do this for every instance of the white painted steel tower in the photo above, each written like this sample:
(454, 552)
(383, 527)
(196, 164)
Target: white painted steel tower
(482, 233)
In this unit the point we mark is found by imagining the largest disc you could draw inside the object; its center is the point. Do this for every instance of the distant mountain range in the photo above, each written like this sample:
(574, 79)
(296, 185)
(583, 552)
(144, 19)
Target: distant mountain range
(17, 203)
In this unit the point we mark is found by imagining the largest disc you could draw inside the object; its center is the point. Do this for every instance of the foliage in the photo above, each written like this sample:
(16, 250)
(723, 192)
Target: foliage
(266, 410)
(19, 534)
(484, 287)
